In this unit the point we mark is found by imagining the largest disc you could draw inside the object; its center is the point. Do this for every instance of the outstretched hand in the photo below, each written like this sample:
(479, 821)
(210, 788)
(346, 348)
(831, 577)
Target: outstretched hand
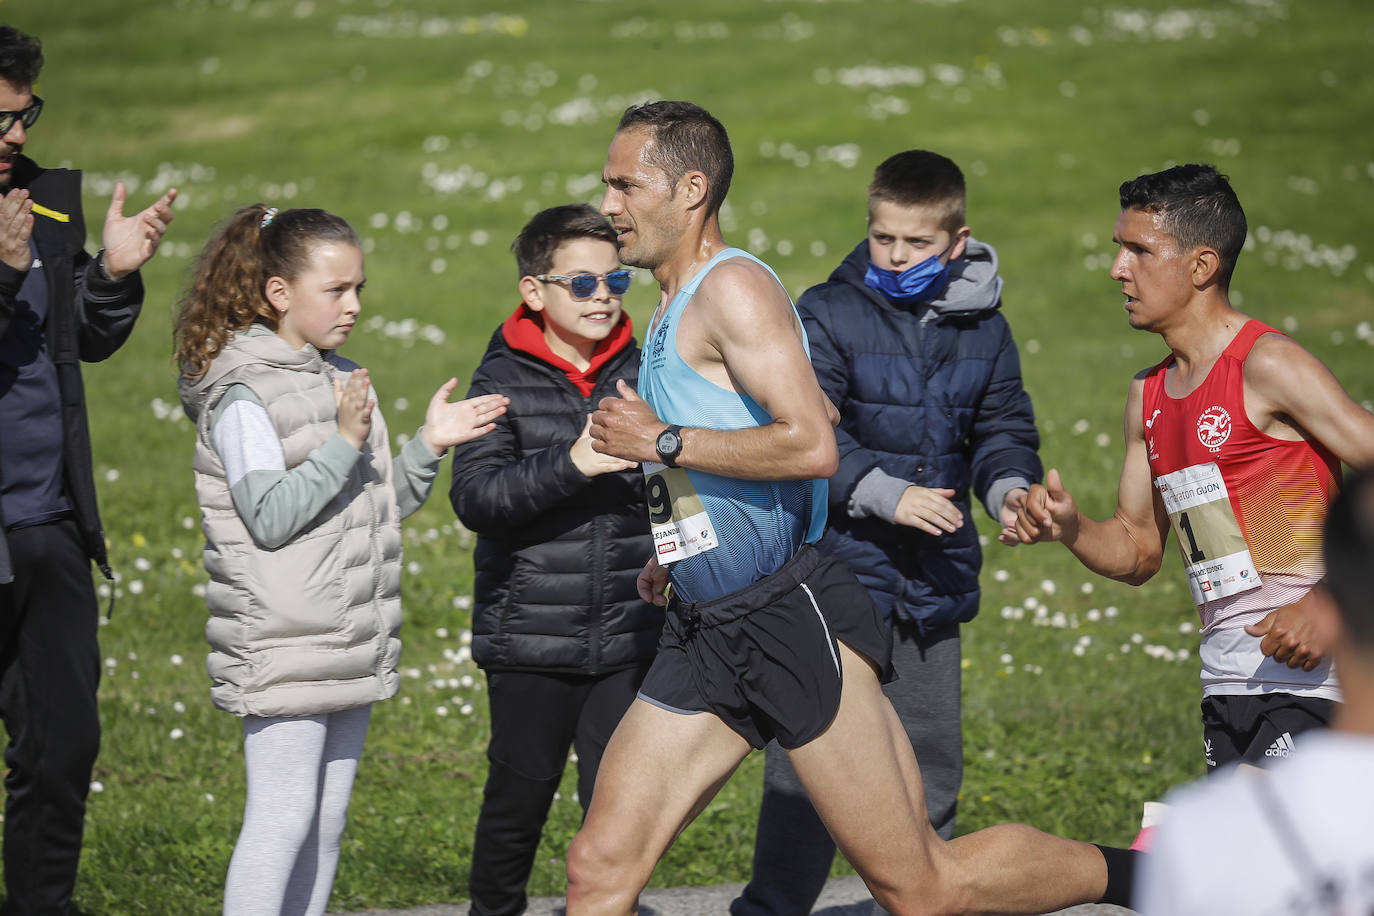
(591, 462)
(1048, 512)
(626, 427)
(130, 241)
(354, 401)
(448, 424)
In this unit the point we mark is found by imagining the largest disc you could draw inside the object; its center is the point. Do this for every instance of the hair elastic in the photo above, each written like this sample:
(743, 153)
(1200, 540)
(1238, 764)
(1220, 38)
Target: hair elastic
(267, 218)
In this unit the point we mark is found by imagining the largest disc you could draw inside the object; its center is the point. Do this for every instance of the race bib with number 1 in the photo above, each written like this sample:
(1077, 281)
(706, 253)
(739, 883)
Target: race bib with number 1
(1214, 550)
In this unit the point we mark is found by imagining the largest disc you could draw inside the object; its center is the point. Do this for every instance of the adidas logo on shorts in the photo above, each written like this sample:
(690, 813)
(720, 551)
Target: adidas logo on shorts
(1282, 747)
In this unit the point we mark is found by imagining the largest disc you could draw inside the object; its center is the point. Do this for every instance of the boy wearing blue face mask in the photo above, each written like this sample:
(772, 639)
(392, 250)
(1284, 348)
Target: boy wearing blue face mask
(908, 341)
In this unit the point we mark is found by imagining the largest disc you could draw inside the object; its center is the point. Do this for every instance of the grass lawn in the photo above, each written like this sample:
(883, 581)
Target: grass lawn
(438, 126)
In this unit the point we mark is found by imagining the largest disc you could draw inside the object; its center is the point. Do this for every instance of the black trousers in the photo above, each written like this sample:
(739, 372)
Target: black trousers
(535, 719)
(49, 672)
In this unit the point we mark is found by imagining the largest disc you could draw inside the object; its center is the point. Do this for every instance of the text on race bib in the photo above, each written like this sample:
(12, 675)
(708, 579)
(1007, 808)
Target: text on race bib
(1214, 551)
(679, 522)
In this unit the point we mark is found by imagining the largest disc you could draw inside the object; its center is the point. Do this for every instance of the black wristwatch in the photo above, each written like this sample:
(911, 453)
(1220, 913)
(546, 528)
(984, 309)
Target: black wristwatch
(669, 445)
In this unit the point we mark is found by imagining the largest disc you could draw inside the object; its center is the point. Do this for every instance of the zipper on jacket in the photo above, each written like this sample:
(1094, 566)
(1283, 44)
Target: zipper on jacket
(599, 579)
(374, 545)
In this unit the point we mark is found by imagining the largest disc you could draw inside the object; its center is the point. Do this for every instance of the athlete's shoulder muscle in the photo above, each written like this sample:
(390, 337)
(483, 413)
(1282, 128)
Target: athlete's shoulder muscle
(1287, 386)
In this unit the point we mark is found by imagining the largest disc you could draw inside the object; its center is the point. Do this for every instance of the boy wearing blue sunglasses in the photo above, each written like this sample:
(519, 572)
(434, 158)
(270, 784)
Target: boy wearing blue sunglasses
(558, 626)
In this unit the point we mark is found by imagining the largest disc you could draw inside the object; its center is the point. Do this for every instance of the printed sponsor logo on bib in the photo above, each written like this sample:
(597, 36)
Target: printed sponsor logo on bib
(1217, 558)
(680, 525)
(1214, 427)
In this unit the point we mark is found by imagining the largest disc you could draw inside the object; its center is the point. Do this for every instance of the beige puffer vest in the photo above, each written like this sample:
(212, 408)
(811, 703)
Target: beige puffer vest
(312, 626)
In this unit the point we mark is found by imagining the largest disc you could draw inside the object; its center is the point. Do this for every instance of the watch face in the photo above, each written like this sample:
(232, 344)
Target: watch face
(667, 442)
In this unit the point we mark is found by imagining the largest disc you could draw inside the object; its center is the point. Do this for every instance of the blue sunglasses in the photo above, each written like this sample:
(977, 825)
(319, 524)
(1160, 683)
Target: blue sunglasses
(583, 286)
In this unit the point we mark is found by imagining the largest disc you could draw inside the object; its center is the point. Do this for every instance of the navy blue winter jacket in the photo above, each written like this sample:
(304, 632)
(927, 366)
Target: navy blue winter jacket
(929, 394)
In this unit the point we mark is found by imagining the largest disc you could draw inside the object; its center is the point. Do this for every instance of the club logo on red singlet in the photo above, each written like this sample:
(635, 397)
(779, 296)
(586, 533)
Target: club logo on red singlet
(1214, 427)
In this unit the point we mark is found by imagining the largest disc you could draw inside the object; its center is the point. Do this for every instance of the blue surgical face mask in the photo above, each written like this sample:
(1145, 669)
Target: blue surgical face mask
(925, 280)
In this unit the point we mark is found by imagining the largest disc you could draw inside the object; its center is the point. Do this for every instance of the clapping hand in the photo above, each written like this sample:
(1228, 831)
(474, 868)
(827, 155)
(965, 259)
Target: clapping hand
(354, 401)
(448, 424)
(16, 225)
(131, 240)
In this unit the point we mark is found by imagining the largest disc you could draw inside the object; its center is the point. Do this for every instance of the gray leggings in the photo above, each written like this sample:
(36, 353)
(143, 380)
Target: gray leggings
(300, 777)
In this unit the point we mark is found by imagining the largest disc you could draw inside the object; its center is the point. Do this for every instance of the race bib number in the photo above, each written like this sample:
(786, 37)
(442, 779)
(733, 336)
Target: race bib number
(680, 525)
(1217, 558)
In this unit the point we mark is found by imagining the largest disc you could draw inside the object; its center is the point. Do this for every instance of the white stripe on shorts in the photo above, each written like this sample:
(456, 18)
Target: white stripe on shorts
(829, 640)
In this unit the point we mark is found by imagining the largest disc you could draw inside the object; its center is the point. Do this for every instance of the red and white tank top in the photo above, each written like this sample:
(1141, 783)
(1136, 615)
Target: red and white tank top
(1247, 510)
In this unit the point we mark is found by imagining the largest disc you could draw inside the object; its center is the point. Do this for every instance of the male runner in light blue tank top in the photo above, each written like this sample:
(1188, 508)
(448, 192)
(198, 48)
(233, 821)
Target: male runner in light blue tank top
(756, 525)
(764, 637)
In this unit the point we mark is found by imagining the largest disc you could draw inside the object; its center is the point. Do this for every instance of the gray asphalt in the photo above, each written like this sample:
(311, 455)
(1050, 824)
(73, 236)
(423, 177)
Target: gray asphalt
(842, 897)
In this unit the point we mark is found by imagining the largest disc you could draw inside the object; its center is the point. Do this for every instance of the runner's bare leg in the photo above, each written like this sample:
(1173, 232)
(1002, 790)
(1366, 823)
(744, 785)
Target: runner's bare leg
(863, 778)
(659, 771)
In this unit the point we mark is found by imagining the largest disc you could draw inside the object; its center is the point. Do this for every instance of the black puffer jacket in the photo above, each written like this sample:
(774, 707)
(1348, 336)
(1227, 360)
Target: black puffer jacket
(557, 553)
(89, 318)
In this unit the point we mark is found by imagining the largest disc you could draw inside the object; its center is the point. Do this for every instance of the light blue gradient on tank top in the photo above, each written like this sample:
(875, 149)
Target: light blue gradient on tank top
(760, 523)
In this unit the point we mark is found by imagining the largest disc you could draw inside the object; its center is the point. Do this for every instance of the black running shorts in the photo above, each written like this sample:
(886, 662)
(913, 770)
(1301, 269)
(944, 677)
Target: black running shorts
(765, 659)
(1258, 729)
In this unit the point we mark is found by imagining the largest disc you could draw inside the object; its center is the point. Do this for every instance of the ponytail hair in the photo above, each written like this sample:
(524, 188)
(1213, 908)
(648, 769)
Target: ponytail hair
(227, 293)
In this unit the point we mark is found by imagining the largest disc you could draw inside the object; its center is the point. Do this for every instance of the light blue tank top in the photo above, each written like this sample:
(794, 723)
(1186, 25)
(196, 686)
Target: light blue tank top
(758, 524)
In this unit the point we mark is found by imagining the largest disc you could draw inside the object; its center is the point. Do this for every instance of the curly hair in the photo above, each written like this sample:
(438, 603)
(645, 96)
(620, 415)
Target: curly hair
(227, 293)
(21, 57)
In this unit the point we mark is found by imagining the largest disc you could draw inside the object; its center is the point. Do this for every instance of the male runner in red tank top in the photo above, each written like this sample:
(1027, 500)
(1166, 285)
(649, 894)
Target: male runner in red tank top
(1235, 441)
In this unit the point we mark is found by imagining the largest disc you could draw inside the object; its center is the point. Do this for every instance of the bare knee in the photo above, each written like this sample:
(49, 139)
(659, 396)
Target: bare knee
(600, 878)
(582, 864)
(920, 904)
(915, 904)
(937, 890)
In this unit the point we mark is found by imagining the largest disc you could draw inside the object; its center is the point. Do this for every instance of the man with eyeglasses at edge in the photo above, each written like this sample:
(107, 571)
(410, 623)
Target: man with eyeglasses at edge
(764, 636)
(58, 306)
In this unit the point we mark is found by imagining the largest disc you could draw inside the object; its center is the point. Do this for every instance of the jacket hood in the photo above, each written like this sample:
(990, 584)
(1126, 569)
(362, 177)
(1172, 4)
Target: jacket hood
(254, 344)
(523, 331)
(974, 284)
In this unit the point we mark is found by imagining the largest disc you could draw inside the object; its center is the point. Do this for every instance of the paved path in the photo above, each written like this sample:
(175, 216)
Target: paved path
(845, 896)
